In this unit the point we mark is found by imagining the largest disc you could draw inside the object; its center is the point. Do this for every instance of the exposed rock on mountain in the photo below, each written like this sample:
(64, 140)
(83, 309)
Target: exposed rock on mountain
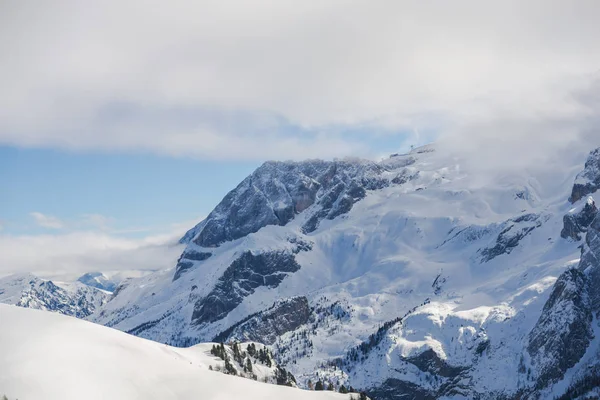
(266, 326)
(186, 261)
(563, 333)
(577, 220)
(277, 191)
(242, 278)
(587, 181)
(511, 235)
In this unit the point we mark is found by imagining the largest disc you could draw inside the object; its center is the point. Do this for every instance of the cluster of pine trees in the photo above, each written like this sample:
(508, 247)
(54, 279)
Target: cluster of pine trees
(244, 361)
(219, 351)
(320, 385)
(360, 352)
(299, 343)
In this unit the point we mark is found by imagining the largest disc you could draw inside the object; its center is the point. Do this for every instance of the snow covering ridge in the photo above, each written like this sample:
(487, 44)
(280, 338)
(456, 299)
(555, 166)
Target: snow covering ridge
(50, 356)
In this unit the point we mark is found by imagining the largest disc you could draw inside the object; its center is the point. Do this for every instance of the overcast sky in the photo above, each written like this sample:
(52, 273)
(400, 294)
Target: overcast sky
(232, 83)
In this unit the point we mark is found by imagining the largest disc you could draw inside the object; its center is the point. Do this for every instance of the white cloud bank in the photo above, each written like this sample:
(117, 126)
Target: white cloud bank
(282, 79)
(67, 256)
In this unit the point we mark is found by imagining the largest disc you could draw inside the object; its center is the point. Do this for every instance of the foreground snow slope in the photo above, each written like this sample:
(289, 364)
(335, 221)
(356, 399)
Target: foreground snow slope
(50, 356)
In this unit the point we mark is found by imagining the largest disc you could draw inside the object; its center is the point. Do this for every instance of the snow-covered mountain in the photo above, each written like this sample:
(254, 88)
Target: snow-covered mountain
(49, 356)
(413, 276)
(68, 298)
(99, 281)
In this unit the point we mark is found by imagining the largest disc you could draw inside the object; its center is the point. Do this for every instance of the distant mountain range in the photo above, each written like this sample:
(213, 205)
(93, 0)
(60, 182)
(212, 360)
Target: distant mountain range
(68, 298)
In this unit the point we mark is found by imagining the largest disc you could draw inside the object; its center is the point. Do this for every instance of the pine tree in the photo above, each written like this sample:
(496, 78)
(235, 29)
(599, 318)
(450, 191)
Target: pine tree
(319, 385)
(248, 364)
(310, 385)
(229, 368)
(343, 389)
(251, 349)
(330, 386)
(237, 356)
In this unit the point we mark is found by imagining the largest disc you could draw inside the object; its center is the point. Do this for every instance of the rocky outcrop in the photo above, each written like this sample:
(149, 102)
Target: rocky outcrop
(512, 232)
(577, 222)
(277, 191)
(587, 181)
(590, 263)
(186, 261)
(563, 332)
(429, 361)
(266, 326)
(396, 389)
(244, 275)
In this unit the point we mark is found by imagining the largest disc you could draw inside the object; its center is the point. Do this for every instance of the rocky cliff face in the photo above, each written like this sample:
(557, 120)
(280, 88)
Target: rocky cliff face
(266, 326)
(563, 332)
(588, 181)
(186, 261)
(278, 191)
(577, 221)
(513, 231)
(242, 278)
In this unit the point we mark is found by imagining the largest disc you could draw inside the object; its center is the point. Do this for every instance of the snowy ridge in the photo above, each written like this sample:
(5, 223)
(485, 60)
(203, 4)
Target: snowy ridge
(456, 270)
(82, 360)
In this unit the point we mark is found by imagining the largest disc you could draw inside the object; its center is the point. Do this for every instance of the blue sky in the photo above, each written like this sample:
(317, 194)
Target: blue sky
(138, 194)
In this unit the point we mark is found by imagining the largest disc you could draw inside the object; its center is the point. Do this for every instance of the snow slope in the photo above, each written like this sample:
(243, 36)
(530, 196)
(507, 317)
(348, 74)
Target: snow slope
(49, 356)
(413, 275)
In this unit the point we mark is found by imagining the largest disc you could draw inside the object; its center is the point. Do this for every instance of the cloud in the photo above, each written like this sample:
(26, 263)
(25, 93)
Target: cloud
(508, 139)
(69, 255)
(47, 221)
(281, 79)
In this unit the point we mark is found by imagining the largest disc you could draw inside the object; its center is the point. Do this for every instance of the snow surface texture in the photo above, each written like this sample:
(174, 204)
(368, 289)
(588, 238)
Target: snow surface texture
(68, 298)
(54, 357)
(419, 277)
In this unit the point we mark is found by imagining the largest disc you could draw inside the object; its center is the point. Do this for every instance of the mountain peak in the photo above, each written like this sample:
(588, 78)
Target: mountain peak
(276, 192)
